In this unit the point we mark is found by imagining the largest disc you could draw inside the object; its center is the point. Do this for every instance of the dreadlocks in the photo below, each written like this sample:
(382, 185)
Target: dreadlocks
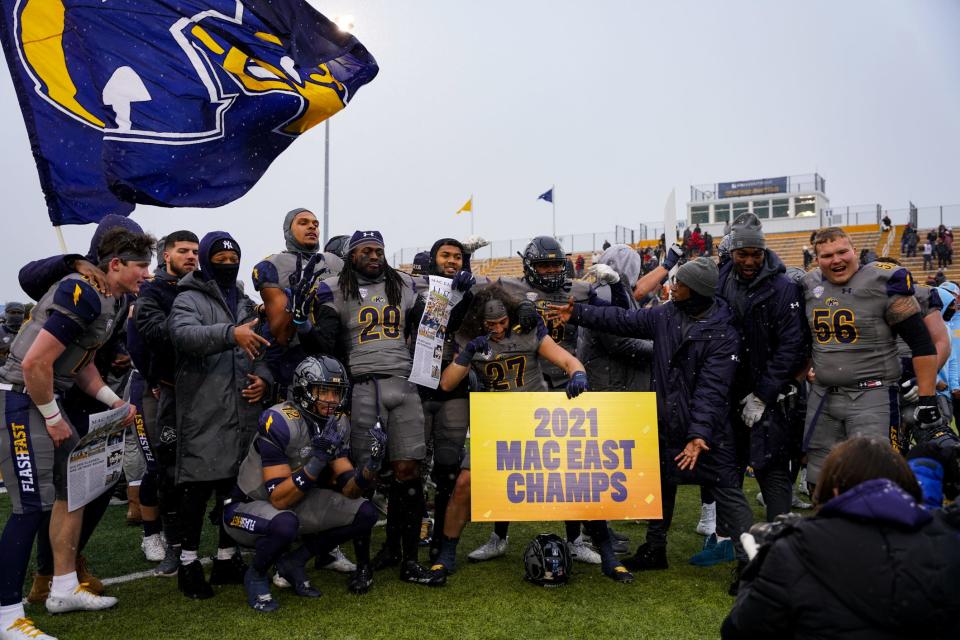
(473, 320)
(350, 287)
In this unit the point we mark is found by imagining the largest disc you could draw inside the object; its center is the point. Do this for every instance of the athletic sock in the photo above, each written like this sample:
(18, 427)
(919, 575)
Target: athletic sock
(501, 529)
(64, 585)
(151, 527)
(226, 553)
(10, 614)
(186, 557)
(448, 552)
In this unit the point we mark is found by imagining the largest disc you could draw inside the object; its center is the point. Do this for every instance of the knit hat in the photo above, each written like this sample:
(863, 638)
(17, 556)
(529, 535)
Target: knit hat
(747, 232)
(365, 237)
(289, 239)
(701, 275)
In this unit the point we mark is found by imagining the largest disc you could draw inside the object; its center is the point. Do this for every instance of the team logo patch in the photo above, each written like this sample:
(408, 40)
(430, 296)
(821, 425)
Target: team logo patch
(379, 299)
(291, 413)
(532, 296)
(832, 302)
(817, 292)
(363, 292)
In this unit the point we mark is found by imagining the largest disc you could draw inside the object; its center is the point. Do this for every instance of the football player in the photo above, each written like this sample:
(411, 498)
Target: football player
(855, 314)
(297, 481)
(506, 358)
(370, 310)
(52, 353)
(12, 319)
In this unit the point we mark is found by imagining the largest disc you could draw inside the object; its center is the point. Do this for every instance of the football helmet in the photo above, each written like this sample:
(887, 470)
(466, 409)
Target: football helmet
(544, 250)
(546, 561)
(314, 375)
(337, 245)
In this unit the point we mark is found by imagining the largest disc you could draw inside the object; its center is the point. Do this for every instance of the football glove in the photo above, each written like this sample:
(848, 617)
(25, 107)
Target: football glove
(927, 413)
(672, 256)
(471, 244)
(463, 281)
(577, 385)
(378, 448)
(527, 316)
(604, 273)
(328, 441)
(753, 408)
(301, 294)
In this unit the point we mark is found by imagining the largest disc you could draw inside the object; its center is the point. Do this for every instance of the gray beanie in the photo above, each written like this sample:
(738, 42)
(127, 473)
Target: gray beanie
(747, 232)
(701, 275)
(291, 242)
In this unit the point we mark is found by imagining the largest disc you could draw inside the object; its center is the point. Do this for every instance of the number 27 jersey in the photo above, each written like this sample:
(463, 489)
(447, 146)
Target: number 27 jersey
(852, 341)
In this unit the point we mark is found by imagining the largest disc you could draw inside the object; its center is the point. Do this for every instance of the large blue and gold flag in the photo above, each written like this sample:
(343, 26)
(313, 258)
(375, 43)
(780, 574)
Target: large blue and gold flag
(179, 104)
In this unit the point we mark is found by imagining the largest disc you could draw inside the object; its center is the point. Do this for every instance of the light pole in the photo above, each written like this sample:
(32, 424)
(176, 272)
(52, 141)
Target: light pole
(344, 23)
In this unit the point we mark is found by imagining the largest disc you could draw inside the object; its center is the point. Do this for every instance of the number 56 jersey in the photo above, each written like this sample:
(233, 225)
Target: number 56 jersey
(852, 342)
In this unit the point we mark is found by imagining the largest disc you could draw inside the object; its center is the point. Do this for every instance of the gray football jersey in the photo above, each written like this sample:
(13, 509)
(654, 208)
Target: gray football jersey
(852, 341)
(76, 302)
(371, 329)
(513, 363)
(564, 335)
(283, 428)
(275, 270)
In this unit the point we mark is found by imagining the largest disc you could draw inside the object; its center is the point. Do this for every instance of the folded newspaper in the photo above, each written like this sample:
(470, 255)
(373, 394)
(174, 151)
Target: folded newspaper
(97, 461)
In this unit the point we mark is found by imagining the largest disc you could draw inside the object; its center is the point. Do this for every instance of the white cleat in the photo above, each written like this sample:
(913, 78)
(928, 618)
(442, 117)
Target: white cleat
(492, 548)
(800, 503)
(23, 629)
(708, 519)
(280, 582)
(340, 563)
(581, 552)
(79, 600)
(154, 547)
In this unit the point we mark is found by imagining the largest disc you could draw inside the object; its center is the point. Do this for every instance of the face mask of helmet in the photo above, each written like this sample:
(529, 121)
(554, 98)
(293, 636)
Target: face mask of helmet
(547, 561)
(544, 250)
(318, 384)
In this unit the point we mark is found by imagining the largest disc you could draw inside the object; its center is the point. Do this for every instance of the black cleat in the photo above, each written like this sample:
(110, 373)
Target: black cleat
(191, 581)
(417, 574)
(385, 559)
(228, 571)
(619, 574)
(360, 580)
(647, 559)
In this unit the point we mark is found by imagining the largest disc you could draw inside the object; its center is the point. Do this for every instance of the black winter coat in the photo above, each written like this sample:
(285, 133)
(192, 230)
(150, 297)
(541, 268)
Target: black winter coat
(871, 565)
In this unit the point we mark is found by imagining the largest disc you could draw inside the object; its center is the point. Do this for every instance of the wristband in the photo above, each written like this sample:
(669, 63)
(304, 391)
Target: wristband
(49, 410)
(303, 481)
(107, 396)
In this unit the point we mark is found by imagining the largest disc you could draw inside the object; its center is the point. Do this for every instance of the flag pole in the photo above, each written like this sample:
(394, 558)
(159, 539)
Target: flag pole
(553, 202)
(63, 244)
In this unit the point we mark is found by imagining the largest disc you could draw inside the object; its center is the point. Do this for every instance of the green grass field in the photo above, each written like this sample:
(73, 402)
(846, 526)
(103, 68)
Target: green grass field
(487, 600)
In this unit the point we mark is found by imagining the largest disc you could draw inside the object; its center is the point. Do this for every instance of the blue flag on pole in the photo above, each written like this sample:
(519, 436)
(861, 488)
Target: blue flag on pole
(547, 195)
(170, 103)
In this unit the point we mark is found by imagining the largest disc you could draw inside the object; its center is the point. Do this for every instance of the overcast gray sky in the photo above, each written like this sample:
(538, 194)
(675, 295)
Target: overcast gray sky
(614, 101)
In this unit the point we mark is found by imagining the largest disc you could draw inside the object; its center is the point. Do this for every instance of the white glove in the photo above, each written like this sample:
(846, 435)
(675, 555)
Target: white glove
(753, 408)
(673, 255)
(910, 391)
(604, 273)
(750, 545)
(473, 243)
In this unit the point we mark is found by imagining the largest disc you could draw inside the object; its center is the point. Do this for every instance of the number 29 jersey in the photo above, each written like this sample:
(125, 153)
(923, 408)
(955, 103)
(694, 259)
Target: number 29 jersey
(852, 342)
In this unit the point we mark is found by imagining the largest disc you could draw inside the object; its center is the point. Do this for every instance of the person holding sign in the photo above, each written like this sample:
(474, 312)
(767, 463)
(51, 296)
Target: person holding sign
(51, 354)
(695, 356)
(505, 358)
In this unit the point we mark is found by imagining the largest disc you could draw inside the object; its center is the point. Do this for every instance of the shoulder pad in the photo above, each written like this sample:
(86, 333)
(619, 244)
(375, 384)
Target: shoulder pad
(581, 290)
(273, 425)
(899, 281)
(324, 293)
(79, 298)
(265, 275)
(811, 279)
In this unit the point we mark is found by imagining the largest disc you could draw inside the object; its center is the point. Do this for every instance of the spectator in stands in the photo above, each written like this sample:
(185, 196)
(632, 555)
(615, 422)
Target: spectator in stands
(885, 223)
(927, 255)
(695, 243)
(579, 265)
(568, 267)
(942, 252)
(807, 258)
(606, 245)
(707, 244)
(932, 236)
(912, 244)
(948, 240)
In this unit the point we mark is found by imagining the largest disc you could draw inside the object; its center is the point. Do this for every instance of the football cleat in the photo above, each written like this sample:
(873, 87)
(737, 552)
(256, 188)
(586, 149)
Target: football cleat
(230, 571)
(802, 487)
(336, 561)
(708, 519)
(40, 589)
(294, 574)
(82, 599)
(361, 580)
(280, 582)
(581, 552)
(714, 552)
(191, 581)
(647, 558)
(492, 548)
(170, 564)
(799, 503)
(153, 547)
(619, 574)
(22, 629)
(415, 573)
(258, 591)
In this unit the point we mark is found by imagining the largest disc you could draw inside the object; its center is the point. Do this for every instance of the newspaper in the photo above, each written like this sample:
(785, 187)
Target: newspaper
(97, 461)
(428, 355)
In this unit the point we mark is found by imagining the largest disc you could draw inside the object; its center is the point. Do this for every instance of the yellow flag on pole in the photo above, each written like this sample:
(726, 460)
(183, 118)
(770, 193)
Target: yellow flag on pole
(467, 207)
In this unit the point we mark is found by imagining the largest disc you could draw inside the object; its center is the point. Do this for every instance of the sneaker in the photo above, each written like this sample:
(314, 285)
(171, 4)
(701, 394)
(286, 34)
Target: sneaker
(418, 574)
(619, 574)
(647, 558)
(21, 629)
(802, 486)
(580, 552)
(294, 574)
(154, 549)
(258, 591)
(426, 529)
(191, 581)
(714, 552)
(708, 519)
(82, 599)
(492, 548)
(170, 564)
(361, 580)
(799, 503)
(230, 571)
(85, 577)
(116, 501)
(385, 558)
(280, 582)
(337, 562)
(40, 589)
